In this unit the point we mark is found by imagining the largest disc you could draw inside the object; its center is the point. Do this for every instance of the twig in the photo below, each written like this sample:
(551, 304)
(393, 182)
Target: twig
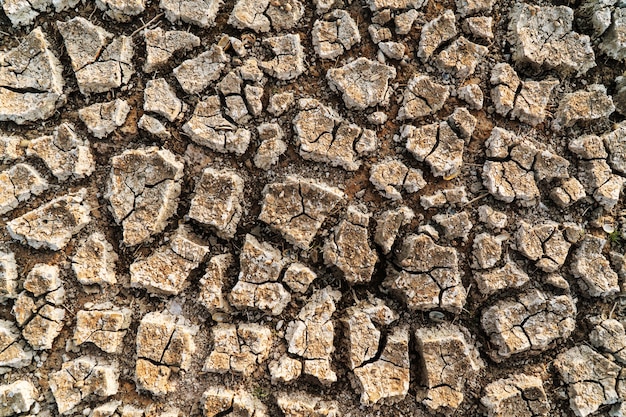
(480, 197)
(612, 310)
(151, 21)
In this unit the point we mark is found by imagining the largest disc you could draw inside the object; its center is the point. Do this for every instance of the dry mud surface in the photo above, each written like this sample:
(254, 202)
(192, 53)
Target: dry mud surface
(312, 208)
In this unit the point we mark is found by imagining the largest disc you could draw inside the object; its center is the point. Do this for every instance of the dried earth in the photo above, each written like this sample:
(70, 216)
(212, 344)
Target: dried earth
(314, 208)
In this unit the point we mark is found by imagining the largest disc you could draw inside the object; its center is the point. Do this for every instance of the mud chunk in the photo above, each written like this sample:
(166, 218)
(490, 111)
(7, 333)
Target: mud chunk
(239, 348)
(208, 127)
(435, 33)
(23, 12)
(259, 261)
(64, 153)
(301, 404)
(520, 394)
(10, 147)
(288, 61)
(17, 397)
(52, 224)
(609, 192)
(196, 74)
(591, 267)
(280, 103)
(569, 192)
(392, 50)
(381, 5)
(430, 277)
(472, 95)
(470, 7)
(217, 201)
(38, 309)
(523, 100)
(363, 83)
(619, 97)
(212, 282)
(153, 126)
(258, 15)
(80, 380)
(311, 335)
(530, 103)
(335, 34)
(15, 352)
(613, 43)
(348, 248)
(550, 166)
(453, 196)
(164, 345)
(362, 334)
(201, 13)
(165, 271)
(455, 226)
(544, 243)
(479, 26)
(219, 401)
(261, 265)
(591, 379)
(100, 61)
(285, 369)
(162, 45)
(122, 10)
(270, 297)
(615, 142)
(492, 218)
(272, 146)
(253, 97)
(586, 105)
(131, 411)
(388, 225)
(250, 15)
(461, 57)
(509, 276)
(543, 37)
(103, 325)
(404, 21)
(297, 208)
(422, 97)
(379, 33)
(391, 176)
(285, 15)
(8, 276)
(487, 251)
(505, 82)
(94, 261)
(609, 336)
(230, 84)
(530, 322)
(143, 189)
(387, 379)
(159, 97)
(596, 175)
(377, 118)
(108, 409)
(103, 118)
(512, 179)
(438, 144)
(324, 136)
(31, 81)
(448, 359)
(18, 184)
(298, 277)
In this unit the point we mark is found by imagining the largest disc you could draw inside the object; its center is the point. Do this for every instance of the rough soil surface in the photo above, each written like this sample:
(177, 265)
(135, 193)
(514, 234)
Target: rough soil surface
(312, 208)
